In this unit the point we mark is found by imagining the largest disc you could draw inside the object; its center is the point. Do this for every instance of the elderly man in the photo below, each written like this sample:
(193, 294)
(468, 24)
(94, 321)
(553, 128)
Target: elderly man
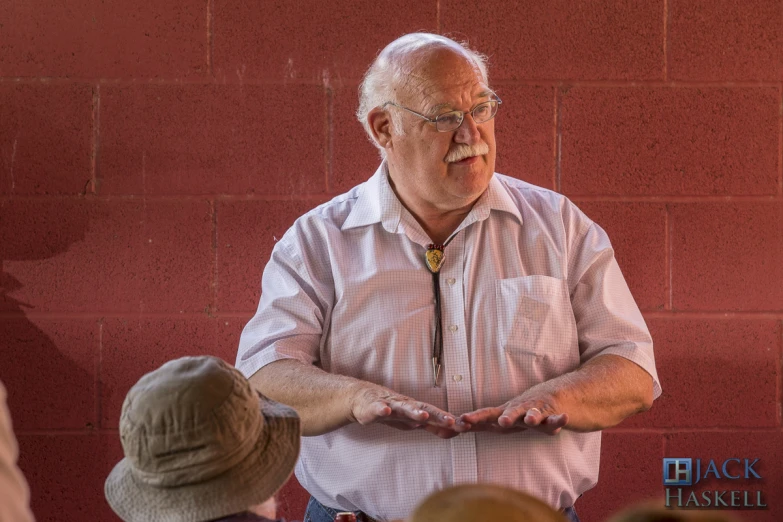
(484, 318)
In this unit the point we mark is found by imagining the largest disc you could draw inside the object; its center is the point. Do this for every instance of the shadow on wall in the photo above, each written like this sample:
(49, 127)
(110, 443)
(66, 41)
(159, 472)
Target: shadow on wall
(49, 363)
(50, 386)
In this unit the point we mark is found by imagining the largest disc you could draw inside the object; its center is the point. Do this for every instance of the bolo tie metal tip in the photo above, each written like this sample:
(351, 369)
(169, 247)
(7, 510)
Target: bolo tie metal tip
(436, 370)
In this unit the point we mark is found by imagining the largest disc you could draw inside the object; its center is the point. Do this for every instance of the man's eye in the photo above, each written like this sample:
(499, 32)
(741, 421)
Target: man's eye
(482, 112)
(451, 118)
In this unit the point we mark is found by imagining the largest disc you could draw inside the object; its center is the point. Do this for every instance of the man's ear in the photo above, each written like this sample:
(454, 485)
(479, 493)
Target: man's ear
(381, 127)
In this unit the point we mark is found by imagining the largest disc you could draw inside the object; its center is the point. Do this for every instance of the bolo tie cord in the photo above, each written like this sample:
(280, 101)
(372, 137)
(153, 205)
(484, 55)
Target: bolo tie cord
(434, 258)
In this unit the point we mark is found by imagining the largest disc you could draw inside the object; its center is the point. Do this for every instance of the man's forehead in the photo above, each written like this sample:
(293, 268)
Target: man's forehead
(449, 90)
(443, 95)
(434, 105)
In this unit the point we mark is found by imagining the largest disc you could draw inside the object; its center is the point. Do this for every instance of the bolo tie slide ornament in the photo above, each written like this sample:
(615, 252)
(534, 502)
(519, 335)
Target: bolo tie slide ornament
(434, 257)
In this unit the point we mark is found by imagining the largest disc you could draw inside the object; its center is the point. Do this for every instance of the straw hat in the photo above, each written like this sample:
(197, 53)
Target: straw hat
(200, 444)
(482, 502)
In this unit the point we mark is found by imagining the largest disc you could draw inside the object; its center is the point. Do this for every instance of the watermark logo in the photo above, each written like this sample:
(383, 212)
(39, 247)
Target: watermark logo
(681, 474)
(677, 472)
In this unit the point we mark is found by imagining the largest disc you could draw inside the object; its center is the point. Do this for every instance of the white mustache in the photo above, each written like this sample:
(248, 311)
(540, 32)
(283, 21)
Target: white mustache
(462, 151)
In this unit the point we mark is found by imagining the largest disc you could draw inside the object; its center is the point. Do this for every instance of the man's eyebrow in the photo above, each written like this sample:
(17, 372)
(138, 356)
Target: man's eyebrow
(450, 105)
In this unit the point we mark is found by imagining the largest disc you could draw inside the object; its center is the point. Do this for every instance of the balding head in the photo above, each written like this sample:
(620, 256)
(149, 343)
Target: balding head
(482, 502)
(404, 59)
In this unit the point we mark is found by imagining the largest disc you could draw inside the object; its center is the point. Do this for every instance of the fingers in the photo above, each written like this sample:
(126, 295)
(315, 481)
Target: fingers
(375, 403)
(460, 426)
(513, 417)
(379, 404)
(371, 412)
(421, 412)
(402, 425)
(484, 415)
(439, 417)
(486, 419)
(549, 424)
(534, 417)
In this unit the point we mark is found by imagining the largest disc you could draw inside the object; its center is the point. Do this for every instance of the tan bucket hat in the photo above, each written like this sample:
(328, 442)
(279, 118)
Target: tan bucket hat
(200, 444)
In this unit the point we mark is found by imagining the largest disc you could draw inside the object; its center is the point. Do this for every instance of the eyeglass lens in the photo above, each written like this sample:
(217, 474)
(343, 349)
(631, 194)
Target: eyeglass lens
(482, 113)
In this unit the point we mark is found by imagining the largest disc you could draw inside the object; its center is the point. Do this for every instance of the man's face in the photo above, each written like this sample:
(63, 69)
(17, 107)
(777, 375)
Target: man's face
(418, 159)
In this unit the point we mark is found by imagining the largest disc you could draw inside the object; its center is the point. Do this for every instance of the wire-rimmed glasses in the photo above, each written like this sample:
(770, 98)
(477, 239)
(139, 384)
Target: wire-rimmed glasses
(450, 121)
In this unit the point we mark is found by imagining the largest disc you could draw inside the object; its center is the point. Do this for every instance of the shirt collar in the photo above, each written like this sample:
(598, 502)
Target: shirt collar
(377, 203)
(496, 197)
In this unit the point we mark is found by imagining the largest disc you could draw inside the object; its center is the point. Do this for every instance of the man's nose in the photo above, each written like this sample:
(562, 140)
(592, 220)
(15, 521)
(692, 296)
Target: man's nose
(467, 132)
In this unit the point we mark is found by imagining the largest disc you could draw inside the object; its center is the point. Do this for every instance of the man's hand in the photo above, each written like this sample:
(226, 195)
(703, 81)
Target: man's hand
(518, 414)
(372, 403)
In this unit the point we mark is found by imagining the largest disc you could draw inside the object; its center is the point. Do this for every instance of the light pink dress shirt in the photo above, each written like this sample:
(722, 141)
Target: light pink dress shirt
(530, 290)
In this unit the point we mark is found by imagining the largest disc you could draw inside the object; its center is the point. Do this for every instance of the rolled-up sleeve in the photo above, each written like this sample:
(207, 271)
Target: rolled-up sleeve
(290, 318)
(607, 318)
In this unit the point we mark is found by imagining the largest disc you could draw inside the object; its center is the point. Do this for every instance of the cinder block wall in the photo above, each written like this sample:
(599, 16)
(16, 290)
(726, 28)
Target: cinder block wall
(152, 152)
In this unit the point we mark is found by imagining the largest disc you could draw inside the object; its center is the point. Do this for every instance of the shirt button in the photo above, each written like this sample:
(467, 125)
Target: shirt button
(451, 280)
(453, 327)
(457, 378)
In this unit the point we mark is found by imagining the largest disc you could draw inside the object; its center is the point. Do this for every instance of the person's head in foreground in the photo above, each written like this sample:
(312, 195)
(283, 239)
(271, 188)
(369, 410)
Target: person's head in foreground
(483, 502)
(656, 512)
(200, 445)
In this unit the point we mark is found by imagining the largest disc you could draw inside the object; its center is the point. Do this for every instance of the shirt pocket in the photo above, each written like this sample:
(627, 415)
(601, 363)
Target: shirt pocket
(536, 323)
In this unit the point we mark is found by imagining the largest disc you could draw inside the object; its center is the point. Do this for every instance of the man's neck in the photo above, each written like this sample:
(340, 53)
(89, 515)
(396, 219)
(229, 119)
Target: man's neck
(439, 227)
(439, 224)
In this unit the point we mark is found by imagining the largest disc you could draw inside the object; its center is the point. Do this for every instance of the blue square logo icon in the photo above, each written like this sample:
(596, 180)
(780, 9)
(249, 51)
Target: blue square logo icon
(677, 472)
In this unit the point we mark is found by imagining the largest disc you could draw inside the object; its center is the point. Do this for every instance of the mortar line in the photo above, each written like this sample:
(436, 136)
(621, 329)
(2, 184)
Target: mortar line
(664, 446)
(715, 315)
(437, 17)
(128, 314)
(213, 305)
(209, 39)
(665, 40)
(329, 153)
(780, 141)
(96, 137)
(316, 197)
(669, 261)
(66, 431)
(98, 381)
(534, 82)
(779, 398)
(674, 198)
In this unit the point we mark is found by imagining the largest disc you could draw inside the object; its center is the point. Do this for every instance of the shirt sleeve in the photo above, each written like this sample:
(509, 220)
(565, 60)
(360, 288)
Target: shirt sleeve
(289, 322)
(607, 318)
(14, 493)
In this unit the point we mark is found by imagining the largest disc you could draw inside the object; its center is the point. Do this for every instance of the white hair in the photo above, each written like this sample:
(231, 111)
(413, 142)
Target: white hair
(389, 69)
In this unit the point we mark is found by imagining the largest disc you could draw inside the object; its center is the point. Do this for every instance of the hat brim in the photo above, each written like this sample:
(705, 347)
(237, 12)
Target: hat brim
(254, 480)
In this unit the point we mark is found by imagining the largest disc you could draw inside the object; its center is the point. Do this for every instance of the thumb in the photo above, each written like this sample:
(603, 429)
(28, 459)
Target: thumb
(369, 412)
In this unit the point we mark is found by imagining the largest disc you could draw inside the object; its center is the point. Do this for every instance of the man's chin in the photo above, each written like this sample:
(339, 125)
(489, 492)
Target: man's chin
(474, 181)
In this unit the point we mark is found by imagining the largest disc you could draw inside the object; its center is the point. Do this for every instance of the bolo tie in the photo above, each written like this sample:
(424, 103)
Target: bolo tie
(434, 260)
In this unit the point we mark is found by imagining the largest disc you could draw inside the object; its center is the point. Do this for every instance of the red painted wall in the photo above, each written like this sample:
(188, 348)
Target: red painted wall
(150, 153)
